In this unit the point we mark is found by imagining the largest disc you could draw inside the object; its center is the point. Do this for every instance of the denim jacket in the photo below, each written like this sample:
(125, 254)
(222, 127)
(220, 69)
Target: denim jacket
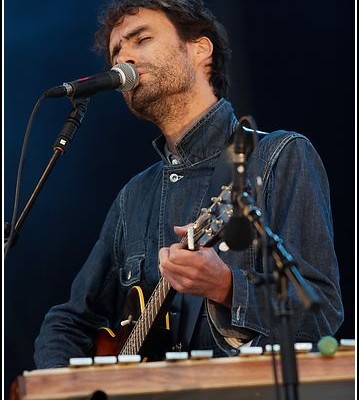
(296, 201)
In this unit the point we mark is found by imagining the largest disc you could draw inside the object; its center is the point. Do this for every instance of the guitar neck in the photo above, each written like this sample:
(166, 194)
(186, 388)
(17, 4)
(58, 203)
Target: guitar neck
(162, 295)
(151, 312)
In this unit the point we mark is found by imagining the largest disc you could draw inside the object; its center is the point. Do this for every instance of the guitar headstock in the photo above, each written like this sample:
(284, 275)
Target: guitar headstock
(208, 228)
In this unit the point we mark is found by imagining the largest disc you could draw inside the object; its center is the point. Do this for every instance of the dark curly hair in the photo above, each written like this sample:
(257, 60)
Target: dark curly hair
(191, 20)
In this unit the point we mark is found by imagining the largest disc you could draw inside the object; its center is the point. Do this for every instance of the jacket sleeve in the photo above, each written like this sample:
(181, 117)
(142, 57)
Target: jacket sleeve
(69, 329)
(297, 209)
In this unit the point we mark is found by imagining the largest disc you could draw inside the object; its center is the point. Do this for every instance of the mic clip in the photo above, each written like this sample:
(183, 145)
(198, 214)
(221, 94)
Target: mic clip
(72, 124)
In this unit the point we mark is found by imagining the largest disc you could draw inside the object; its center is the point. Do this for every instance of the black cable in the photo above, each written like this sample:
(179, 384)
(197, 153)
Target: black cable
(12, 231)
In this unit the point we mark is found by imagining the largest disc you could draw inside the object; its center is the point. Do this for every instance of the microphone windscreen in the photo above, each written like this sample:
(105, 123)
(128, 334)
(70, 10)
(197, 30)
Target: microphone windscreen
(328, 346)
(238, 233)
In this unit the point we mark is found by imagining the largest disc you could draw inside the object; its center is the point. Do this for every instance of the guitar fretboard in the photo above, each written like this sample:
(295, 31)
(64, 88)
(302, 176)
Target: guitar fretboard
(146, 319)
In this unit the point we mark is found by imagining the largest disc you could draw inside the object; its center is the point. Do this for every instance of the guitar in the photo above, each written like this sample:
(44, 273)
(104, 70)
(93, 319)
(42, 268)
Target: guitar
(144, 320)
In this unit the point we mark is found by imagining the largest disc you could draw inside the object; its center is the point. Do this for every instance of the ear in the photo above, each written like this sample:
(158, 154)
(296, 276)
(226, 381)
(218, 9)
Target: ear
(203, 49)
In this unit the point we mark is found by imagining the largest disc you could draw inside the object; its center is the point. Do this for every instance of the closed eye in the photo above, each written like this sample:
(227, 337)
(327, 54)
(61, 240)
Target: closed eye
(143, 39)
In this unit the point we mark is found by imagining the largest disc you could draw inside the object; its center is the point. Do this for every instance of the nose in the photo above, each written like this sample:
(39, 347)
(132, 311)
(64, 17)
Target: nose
(127, 55)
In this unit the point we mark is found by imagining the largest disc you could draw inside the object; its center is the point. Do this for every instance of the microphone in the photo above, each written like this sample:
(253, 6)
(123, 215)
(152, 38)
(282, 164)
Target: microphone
(238, 232)
(122, 77)
(241, 148)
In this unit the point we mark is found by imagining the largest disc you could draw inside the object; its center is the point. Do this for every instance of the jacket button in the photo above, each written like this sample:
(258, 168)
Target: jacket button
(175, 178)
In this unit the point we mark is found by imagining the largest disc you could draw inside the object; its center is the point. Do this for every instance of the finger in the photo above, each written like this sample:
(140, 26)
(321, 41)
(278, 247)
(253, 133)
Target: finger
(180, 256)
(181, 230)
(179, 281)
(170, 258)
(163, 255)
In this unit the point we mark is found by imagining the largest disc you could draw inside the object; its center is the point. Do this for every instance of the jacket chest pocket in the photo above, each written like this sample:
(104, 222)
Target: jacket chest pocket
(130, 273)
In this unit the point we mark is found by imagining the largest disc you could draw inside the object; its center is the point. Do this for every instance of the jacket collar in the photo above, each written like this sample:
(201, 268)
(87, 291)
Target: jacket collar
(206, 138)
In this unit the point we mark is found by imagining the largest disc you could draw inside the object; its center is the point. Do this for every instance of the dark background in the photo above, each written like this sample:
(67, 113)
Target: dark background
(293, 68)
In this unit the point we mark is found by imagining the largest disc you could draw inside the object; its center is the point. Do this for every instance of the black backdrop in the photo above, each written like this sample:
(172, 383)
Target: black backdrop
(293, 68)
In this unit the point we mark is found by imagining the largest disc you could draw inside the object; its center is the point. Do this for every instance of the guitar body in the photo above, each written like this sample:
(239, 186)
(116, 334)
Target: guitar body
(156, 343)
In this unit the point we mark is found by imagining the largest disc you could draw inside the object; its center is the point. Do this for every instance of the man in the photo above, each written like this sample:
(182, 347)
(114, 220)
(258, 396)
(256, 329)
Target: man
(181, 54)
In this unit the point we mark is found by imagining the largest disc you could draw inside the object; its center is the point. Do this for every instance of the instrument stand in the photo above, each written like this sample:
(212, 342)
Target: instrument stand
(61, 144)
(286, 342)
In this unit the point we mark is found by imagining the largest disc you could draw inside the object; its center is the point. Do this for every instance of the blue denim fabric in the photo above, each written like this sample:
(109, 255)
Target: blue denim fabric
(141, 220)
(297, 208)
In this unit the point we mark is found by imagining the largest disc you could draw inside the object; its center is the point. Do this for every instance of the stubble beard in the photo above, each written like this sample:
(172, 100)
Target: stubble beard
(166, 94)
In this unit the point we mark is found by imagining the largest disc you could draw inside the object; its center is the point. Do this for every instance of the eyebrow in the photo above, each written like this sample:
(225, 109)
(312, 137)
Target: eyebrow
(135, 32)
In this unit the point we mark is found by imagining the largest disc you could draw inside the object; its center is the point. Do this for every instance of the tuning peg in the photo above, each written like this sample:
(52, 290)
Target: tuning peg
(216, 200)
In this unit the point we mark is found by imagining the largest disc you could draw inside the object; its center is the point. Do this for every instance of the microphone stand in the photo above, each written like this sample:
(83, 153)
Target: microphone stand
(61, 144)
(286, 270)
(285, 266)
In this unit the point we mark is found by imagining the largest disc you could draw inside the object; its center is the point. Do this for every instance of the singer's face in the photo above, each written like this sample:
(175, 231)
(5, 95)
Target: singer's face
(164, 62)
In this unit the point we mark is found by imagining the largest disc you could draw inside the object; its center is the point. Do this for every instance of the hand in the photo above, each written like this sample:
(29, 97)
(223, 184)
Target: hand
(199, 272)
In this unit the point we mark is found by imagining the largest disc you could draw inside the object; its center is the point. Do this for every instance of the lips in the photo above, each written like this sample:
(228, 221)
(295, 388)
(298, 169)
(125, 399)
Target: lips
(143, 69)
